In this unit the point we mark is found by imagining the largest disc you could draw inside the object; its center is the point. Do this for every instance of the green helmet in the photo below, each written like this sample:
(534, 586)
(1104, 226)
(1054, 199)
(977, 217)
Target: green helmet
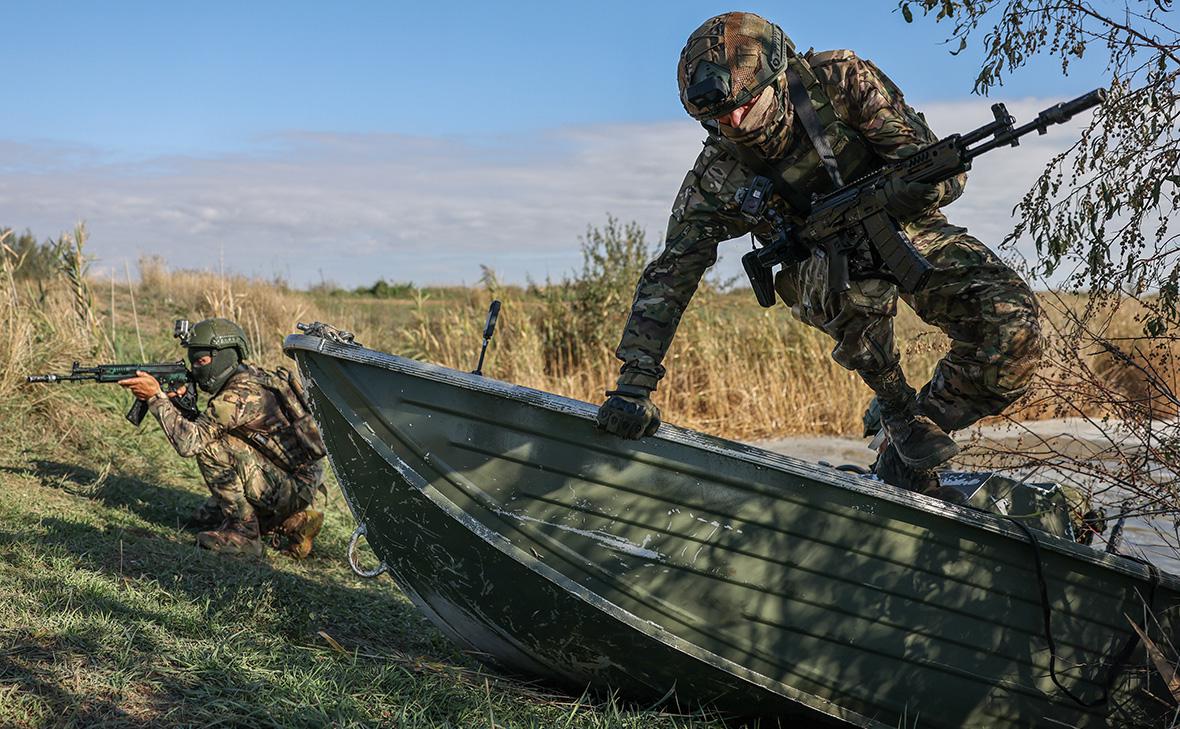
(222, 340)
(728, 61)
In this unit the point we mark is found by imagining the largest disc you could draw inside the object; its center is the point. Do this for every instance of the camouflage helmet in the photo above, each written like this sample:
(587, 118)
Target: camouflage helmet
(218, 334)
(225, 343)
(728, 61)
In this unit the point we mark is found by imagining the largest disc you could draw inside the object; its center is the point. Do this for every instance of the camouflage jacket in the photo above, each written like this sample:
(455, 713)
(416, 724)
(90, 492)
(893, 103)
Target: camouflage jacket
(706, 211)
(248, 407)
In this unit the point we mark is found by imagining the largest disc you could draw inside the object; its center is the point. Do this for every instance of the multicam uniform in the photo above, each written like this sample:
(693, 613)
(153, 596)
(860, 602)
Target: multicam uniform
(979, 302)
(255, 454)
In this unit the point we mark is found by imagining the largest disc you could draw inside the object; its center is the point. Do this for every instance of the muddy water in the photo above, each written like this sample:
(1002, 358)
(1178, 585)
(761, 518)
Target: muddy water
(1141, 536)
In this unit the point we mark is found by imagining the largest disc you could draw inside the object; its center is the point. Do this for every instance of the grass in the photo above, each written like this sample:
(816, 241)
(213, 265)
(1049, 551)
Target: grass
(112, 617)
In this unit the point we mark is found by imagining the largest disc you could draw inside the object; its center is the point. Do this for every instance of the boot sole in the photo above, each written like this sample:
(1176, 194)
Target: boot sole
(940, 456)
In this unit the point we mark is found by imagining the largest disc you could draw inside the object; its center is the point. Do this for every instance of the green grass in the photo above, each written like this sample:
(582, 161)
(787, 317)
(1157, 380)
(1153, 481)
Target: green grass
(111, 617)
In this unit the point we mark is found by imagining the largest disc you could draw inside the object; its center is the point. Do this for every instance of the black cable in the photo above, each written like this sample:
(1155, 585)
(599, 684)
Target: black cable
(1123, 655)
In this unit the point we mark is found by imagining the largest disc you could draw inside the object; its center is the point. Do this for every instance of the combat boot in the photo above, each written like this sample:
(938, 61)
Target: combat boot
(300, 529)
(234, 537)
(206, 516)
(920, 443)
(891, 469)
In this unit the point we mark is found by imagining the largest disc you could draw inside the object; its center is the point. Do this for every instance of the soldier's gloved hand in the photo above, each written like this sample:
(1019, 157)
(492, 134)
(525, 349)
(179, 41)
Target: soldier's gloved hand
(629, 412)
(906, 201)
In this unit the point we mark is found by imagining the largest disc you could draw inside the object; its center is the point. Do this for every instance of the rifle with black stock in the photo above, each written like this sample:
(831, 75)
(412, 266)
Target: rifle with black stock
(856, 214)
(171, 375)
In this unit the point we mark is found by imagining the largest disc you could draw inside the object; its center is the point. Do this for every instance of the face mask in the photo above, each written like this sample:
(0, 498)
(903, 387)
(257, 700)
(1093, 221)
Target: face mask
(757, 116)
(767, 127)
(212, 376)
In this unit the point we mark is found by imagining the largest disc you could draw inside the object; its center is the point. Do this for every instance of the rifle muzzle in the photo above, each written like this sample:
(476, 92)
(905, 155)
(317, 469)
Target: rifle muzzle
(1063, 112)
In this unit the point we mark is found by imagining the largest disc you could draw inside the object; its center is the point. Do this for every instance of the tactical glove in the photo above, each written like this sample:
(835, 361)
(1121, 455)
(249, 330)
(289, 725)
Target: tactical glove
(629, 412)
(906, 201)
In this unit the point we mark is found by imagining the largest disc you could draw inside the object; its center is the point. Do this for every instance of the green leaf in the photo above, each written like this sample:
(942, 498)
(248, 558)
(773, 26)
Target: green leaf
(907, 14)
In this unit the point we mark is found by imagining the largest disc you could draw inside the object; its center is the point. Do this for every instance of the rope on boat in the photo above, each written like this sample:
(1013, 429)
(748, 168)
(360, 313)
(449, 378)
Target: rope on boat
(361, 531)
(1117, 665)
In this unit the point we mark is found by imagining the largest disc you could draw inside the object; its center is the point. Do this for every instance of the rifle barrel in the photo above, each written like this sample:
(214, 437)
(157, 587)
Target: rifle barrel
(1056, 114)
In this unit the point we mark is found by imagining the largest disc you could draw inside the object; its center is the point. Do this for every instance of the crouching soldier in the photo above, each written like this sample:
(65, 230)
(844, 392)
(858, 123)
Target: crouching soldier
(256, 445)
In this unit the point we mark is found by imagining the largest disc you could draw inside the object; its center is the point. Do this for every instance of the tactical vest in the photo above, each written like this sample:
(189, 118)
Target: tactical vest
(800, 173)
(287, 435)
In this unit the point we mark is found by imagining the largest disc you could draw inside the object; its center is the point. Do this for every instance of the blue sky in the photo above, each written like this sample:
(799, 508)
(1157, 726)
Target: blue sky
(321, 139)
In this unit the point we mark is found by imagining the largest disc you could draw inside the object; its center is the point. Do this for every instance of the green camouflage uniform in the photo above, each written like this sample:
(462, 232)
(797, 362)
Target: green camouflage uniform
(247, 448)
(981, 303)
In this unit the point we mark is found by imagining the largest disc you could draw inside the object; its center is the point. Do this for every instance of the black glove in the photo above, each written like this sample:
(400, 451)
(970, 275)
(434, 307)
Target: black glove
(906, 201)
(629, 412)
(1093, 522)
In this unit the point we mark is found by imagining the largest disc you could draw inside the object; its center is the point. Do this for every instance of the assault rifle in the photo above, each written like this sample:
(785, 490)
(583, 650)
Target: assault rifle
(172, 376)
(855, 214)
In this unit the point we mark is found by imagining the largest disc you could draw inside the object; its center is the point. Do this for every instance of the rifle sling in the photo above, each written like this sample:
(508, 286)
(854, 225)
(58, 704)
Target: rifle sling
(809, 120)
(808, 117)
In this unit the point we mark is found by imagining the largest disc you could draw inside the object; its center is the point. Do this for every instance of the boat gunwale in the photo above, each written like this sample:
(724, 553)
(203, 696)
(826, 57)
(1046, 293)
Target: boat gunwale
(753, 455)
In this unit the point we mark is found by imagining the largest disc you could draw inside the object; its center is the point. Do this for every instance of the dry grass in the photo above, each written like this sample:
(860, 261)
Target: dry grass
(266, 310)
(40, 328)
(734, 369)
(1098, 362)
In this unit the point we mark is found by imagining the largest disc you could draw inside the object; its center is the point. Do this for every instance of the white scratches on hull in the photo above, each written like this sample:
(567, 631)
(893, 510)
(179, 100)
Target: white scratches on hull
(610, 541)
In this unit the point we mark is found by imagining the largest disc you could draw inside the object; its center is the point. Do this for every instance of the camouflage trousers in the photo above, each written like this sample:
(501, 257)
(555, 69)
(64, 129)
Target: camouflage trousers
(987, 310)
(243, 482)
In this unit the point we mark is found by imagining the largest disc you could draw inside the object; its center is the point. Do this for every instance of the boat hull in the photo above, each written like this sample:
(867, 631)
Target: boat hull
(696, 570)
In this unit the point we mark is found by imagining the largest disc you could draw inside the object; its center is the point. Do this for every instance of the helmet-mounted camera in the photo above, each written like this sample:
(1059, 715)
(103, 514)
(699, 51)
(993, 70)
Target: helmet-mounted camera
(181, 329)
(710, 85)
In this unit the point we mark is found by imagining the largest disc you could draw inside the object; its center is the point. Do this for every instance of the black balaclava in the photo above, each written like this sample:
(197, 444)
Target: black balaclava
(212, 377)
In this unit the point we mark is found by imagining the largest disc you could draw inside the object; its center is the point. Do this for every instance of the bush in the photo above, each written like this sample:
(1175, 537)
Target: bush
(583, 314)
(28, 259)
(384, 290)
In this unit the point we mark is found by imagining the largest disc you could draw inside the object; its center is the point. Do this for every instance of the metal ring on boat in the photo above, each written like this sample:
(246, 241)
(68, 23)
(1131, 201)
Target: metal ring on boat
(360, 532)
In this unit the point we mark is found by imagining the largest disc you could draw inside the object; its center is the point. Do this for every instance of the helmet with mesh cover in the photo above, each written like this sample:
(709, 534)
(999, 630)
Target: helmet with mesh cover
(728, 61)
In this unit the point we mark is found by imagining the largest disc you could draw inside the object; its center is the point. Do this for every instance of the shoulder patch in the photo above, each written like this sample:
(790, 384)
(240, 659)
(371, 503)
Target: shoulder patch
(825, 57)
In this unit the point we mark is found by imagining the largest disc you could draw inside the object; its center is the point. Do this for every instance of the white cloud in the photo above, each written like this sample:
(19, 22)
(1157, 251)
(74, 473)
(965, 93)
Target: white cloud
(427, 209)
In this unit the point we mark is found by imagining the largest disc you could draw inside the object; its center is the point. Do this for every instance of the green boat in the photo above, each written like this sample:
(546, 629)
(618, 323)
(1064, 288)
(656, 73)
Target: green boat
(695, 570)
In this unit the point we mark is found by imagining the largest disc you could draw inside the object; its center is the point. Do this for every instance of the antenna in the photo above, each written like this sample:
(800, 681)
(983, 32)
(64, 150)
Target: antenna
(488, 330)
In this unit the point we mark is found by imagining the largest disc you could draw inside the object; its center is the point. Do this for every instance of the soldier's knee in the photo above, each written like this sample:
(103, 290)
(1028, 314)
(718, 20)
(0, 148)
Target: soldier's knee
(864, 340)
(1010, 373)
(1019, 345)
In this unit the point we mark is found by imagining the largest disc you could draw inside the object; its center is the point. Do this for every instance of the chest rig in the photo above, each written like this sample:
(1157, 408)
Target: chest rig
(825, 153)
(284, 432)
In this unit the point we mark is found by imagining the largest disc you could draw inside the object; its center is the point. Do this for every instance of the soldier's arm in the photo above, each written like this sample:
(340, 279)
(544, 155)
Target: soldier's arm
(704, 215)
(870, 102)
(191, 436)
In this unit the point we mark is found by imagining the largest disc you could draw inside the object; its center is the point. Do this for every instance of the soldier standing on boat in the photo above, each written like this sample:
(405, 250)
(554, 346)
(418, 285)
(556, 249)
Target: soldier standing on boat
(762, 105)
(256, 445)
